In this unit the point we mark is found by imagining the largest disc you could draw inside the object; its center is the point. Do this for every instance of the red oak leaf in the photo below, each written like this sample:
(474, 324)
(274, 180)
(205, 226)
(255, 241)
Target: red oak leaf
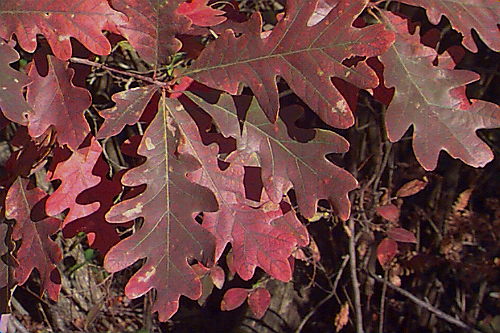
(434, 103)
(307, 57)
(58, 21)
(284, 161)
(465, 15)
(200, 13)
(153, 41)
(56, 101)
(130, 105)
(264, 236)
(12, 102)
(102, 235)
(169, 235)
(76, 176)
(37, 251)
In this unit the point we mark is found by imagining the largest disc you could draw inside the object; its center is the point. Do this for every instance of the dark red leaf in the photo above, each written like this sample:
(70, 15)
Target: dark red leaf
(200, 13)
(130, 105)
(169, 235)
(37, 251)
(58, 21)
(401, 235)
(412, 187)
(152, 26)
(435, 104)
(258, 301)
(386, 251)
(57, 102)
(306, 57)
(12, 83)
(233, 298)
(284, 161)
(389, 212)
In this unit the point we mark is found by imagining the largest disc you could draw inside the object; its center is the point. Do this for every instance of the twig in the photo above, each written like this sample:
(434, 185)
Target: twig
(129, 74)
(354, 278)
(425, 305)
(382, 305)
(324, 300)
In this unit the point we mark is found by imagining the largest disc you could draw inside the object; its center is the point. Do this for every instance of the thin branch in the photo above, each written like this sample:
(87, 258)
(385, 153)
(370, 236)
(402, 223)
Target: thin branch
(382, 305)
(114, 70)
(354, 277)
(332, 293)
(425, 305)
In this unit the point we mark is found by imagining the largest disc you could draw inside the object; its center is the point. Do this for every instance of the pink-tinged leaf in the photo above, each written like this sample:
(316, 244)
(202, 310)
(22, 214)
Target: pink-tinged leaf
(130, 105)
(12, 102)
(465, 15)
(386, 251)
(322, 9)
(217, 276)
(76, 176)
(412, 187)
(389, 212)
(306, 57)
(284, 161)
(233, 298)
(152, 27)
(56, 101)
(200, 13)
(169, 235)
(37, 251)
(83, 20)
(264, 236)
(434, 103)
(401, 235)
(258, 301)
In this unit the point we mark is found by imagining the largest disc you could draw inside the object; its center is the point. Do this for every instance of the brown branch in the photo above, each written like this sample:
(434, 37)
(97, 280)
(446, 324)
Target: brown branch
(425, 305)
(354, 277)
(114, 70)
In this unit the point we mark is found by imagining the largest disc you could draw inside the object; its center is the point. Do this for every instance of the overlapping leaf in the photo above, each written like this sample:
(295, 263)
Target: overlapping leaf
(433, 100)
(200, 13)
(264, 236)
(37, 251)
(169, 235)
(465, 15)
(76, 176)
(307, 57)
(58, 21)
(284, 161)
(56, 101)
(12, 83)
(130, 105)
(152, 27)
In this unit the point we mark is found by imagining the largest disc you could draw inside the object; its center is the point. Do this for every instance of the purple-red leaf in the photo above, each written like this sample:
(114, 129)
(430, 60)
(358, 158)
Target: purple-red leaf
(170, 235)
(12, 102)
(37, 251)
(58, 21)
(435, 104)
(284, 161)
(307, 57)
(401, 235)
(56, 101)
(258, 301)
(233, 298)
